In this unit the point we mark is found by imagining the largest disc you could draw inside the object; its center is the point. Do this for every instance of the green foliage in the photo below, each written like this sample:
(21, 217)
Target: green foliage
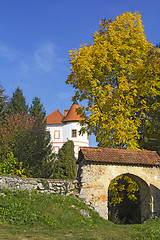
(150, 132)
(148, 230)
(37, 109)
(124, 200)
(16, 136)
(26, 137)
(10, 165)
(20, 208)
(65, 165)
(28, 142)
(52, 211)
(17, 103)
(150, 126)
(3, 102)
(29, 215)
(43, 148)
(115, 76)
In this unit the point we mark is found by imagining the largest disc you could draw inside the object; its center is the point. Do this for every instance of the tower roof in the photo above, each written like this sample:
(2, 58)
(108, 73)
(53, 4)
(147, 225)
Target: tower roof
(55, 118)
(72, 114)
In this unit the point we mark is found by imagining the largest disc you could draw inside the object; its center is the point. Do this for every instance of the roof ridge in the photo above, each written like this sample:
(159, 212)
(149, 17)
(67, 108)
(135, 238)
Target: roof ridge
(119, 156)
(122, 149)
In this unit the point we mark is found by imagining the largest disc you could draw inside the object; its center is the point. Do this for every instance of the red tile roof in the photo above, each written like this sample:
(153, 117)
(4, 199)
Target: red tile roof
(55, 118)
(119, 156)
(72, 114)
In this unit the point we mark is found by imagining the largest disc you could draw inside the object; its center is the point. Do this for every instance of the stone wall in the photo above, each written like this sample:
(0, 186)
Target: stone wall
(64, 187)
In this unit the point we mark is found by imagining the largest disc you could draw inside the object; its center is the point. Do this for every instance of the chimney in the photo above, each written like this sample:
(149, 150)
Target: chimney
(65, 112)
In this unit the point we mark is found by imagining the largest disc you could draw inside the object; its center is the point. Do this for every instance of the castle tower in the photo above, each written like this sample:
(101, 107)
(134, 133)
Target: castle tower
(67, 127)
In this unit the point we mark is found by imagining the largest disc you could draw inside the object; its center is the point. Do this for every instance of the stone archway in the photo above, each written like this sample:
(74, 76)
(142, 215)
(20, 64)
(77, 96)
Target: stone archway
(145, 204)
(98, 166)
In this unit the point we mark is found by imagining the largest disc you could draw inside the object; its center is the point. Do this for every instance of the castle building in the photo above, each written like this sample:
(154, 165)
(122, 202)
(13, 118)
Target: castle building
(66, 127)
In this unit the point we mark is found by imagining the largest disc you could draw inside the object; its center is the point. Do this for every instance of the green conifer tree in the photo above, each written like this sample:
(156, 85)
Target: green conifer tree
(43, 148)
(65, 164)
(37, 109)
(17, 103)
(3, 102)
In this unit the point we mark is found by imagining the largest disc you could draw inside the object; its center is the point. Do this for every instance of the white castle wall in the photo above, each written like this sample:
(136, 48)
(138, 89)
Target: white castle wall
(79, 141)
(65, 131)
(57, 143)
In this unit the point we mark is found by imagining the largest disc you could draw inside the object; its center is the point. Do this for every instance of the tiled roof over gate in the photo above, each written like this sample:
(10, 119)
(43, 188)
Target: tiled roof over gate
(119, 156)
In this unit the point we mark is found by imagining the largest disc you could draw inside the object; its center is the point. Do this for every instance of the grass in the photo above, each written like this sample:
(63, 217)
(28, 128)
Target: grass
(30, 215)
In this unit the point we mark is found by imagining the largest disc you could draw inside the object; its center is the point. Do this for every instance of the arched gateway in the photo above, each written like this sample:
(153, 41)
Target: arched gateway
(99, 166)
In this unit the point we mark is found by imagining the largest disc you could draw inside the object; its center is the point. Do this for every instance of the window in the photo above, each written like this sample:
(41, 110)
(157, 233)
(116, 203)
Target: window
(56, 149)
(74, 133)
(56, 134)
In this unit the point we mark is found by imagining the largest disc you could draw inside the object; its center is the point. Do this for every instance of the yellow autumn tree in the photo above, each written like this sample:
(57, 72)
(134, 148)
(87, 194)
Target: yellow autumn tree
(115, 76)
(124, 190)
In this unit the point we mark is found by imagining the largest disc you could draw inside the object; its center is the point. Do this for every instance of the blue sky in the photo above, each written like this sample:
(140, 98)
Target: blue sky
(36, 35)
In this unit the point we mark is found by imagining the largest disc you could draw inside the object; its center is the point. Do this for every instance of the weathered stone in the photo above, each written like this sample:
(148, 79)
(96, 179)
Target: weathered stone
(94, 180)
(41, 185)
(84, 213)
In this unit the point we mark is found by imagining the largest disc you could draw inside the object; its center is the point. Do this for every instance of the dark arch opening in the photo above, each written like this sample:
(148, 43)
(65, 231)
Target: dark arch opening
(130, 211)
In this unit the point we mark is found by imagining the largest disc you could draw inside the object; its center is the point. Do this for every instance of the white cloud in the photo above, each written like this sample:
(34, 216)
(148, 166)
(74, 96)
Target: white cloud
(45, 57)
(6, 52)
